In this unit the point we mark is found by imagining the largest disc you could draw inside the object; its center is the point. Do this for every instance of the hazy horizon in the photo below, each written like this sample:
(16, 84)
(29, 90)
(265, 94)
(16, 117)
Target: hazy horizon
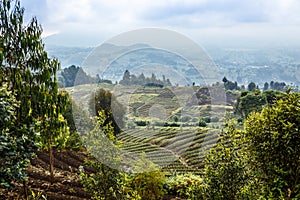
(231, 23)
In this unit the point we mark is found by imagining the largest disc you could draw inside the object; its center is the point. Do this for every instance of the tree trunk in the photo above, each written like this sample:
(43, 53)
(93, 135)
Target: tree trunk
(51, 161)
(25, 187)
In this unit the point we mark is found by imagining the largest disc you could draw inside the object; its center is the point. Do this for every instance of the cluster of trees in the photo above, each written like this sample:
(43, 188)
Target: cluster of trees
(230, 85)
(73, 75)
(131, 79)
(261, 161)
(248, 102)
(280, 86)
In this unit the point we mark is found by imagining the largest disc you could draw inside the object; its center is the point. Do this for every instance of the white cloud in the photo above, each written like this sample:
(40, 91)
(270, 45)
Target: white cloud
(110, 17)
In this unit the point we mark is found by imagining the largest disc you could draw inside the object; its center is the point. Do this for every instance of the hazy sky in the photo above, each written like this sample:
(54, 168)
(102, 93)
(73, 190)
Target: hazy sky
(91, 22)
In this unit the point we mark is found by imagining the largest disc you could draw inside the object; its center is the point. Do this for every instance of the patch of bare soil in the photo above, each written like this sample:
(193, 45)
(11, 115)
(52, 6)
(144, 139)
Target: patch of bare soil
(66, 185)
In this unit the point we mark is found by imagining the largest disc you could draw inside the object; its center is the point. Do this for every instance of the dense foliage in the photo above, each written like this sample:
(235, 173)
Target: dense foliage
(104, 100)
(72, 76)
(248, 102)
(131, 79)
(30, 75)
(226, 171)
(274, 144)
(14, 158)
(187, 186)
(261, 162)
(109, 181)
(100, 142)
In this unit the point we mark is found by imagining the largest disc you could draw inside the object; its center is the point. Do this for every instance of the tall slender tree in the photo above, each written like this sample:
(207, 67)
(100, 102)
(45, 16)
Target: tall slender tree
(31, 76)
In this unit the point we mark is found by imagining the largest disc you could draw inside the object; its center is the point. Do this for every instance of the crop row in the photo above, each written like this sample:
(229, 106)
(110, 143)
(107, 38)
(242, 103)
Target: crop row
(174, 149)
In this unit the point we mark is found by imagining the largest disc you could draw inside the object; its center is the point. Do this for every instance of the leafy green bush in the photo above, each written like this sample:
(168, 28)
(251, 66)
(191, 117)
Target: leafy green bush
(100, 142)
(109, 183)
(248, 102)
(141, 123)
(73, 141)
(13, 157)
(187, 186)
(104, 184)
(202, 123)
(226, 172)
(150, 183)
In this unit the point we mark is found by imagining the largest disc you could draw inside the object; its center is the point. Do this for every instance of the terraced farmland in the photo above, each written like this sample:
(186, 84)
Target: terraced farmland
(174, 149)
(180, 145)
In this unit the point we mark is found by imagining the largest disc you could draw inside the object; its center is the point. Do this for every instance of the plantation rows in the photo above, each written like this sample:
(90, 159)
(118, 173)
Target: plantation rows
(174, 149)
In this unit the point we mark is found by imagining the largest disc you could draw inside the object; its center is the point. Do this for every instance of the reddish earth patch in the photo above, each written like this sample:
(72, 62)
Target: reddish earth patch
(66, 185)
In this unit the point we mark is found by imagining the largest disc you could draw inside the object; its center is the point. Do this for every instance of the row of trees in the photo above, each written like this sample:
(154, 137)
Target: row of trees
(280, 86)
(273, 85)
(131, 79)
(248, 102)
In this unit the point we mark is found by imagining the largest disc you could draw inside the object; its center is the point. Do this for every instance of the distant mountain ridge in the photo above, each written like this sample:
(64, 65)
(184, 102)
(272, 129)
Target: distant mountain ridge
(68, 55)
(242, 65)
(111, 61)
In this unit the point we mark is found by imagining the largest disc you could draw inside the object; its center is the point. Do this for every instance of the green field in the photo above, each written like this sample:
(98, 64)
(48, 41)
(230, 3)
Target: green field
(174, 149)
(179, 148)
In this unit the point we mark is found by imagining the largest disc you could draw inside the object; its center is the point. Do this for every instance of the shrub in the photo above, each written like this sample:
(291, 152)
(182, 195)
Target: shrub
(274, 144)
(187, 186)
(74, 141)
(202, 123)
(226, 171)
(141, 123)
(150, 183)
(175, 118)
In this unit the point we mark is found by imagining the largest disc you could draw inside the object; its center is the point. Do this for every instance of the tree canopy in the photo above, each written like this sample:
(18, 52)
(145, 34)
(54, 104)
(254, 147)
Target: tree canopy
(106, 101)
(28, 73)
(274, 144)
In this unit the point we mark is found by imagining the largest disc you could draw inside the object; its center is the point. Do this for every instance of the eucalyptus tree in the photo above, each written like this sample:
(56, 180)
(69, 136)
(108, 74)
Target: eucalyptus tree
(30, 75)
